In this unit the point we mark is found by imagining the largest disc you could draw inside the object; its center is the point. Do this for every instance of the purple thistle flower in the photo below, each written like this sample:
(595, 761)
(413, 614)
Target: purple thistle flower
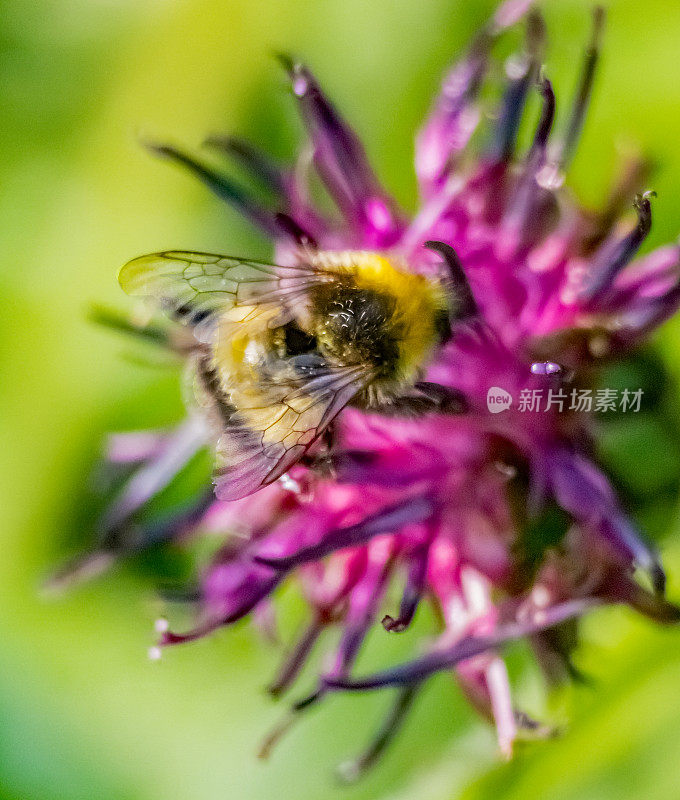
(442, 503)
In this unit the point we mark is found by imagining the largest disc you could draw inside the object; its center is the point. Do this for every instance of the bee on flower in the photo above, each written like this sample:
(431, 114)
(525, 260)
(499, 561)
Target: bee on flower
(343, 391)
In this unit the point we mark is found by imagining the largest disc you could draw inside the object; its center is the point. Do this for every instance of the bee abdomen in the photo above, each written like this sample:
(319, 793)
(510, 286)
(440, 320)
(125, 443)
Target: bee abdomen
(210, 386)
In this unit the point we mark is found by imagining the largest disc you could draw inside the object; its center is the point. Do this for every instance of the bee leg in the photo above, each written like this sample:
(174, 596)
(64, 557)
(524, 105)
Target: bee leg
(324, 461)
(330, 438)
(465, 303)
(425, 398)
(444, 398)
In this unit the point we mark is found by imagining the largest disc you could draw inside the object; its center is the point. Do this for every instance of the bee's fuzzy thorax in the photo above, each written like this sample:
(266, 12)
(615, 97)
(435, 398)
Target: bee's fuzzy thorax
(417, 305)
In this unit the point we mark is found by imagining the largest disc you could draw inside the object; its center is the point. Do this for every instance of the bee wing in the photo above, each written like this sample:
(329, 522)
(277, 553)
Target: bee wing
(261, 443)
(195, 288)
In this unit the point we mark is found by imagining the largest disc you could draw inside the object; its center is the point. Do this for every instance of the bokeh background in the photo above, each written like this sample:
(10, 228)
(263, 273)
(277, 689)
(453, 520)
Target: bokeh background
(84, 714)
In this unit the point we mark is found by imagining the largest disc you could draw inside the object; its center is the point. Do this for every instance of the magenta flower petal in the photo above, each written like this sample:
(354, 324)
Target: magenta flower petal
(615, 254)
(342, 163)
(456, 114)
(416, 584)
(388, 520)
(157, 472)
(584, 492)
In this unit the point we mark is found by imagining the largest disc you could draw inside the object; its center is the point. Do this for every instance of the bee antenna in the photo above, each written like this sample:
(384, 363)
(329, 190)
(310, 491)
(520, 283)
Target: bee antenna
(465, 299)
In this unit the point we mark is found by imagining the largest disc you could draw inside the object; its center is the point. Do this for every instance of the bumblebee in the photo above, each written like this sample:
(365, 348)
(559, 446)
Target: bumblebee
(281, 350)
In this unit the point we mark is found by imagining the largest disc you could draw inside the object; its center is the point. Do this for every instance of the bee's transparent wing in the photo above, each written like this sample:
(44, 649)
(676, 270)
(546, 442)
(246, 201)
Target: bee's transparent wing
(195, 288)
(260, 444)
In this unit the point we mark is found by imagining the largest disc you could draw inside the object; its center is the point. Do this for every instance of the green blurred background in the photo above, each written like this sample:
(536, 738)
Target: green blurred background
(84, 714)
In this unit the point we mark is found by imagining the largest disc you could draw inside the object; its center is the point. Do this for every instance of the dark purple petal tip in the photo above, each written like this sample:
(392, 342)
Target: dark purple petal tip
(463, 650)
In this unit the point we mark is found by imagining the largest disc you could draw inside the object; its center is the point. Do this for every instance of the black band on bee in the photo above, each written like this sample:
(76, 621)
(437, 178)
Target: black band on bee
(296, 341)
(299, 350)
(209, 379)
(190, 315)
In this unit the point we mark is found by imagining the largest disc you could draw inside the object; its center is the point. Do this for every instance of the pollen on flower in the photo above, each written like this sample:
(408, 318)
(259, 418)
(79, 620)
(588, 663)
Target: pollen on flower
(388, 513)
